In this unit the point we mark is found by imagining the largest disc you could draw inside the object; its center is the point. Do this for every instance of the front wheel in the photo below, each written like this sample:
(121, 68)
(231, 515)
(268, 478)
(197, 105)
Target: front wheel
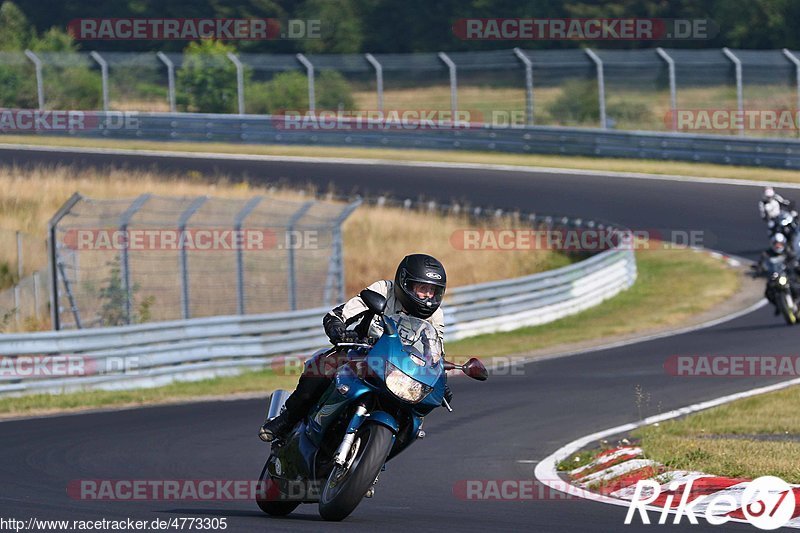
(268, 497)
(347, 484)
(787, 309)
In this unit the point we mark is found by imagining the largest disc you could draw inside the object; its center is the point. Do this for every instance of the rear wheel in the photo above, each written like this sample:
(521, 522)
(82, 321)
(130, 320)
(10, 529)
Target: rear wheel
(346, 485)
(269, 496)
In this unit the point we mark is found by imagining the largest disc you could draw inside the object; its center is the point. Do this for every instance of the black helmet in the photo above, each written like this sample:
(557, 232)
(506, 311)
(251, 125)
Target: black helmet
(419, 268)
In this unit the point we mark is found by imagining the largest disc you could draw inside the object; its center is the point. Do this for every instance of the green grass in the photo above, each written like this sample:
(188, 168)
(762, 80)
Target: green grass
(672, 286)
(650, 302)
(576, 460)
(571, 162)
(747, 438)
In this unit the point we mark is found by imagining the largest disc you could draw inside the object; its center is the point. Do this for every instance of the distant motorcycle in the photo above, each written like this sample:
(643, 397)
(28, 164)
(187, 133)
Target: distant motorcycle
(780, 291)
(372, 411)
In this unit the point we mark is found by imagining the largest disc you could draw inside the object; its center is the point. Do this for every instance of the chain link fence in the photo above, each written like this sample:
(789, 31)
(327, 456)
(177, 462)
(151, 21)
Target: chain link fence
(23, 278)
(152, 258)
(622, 89)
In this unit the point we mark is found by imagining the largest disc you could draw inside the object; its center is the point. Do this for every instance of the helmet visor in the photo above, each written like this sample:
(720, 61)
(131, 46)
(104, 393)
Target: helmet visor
(428, 293)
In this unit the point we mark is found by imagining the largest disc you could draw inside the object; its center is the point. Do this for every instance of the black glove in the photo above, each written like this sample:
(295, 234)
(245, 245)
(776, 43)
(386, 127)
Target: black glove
(344, 335)
(448, 395)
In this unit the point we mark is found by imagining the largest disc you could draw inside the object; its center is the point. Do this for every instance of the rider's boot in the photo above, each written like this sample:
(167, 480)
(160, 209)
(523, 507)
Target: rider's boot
(308, 392)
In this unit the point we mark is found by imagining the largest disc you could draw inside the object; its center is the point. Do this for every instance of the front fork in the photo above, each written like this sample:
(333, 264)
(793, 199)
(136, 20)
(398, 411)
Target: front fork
(361, 414)
(340, 457)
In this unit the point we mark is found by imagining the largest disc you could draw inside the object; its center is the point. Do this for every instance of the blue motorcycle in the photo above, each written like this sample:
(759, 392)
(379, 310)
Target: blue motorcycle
(372, 411)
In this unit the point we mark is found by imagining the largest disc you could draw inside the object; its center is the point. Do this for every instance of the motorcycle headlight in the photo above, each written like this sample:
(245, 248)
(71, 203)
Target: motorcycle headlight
(403, 386)
(782, 280)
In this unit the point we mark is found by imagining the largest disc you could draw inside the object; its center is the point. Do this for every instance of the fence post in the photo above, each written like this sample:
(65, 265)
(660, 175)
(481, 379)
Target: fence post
(237, 226)
(289, 229)
(36, 289)
(528, 84)
(453, 83)
(16, 304)
(793, 58)
(170, 79)
(601, 86)
(239, 81)
(378, 78)
(739, 99)
(52, 258)
(104, 77)
(37, 64)
(124, 220)
(673, 91)
(184, 219)
(310, 73)
(335, 277)
(19, 256)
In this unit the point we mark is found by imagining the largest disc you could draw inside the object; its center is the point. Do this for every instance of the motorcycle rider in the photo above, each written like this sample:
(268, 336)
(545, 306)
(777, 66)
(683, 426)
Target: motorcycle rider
(771, 204)
(417, 290)
(778, 247)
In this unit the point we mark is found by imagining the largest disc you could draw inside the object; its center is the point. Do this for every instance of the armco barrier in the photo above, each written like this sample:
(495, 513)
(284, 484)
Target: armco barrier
(262, 129)
(206, 347)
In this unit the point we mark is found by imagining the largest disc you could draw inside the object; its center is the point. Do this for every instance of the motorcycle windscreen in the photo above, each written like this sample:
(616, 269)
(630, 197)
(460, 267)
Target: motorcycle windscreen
(420, 353)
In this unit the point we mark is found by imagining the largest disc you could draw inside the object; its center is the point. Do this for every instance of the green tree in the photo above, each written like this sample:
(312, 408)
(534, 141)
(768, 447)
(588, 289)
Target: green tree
(207, 79)
(340, 30)
(15, 30)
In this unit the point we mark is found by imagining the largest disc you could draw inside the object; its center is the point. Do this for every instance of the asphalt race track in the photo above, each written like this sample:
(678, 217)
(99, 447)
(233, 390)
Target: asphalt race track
(496, 424)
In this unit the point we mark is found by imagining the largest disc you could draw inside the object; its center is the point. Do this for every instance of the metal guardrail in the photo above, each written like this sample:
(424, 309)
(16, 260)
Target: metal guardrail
(199, 348)
(265, 129)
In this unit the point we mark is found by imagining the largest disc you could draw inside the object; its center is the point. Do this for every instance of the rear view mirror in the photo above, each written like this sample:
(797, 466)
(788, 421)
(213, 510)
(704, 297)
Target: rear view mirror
(375, 302)
(475, 369)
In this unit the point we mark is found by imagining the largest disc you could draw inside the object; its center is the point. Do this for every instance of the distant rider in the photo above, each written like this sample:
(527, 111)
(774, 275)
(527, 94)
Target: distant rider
(771, 205)
(417, 290)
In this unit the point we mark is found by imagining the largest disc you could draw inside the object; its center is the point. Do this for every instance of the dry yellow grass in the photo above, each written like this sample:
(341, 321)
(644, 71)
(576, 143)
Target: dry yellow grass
(375, 239)
(394, 233)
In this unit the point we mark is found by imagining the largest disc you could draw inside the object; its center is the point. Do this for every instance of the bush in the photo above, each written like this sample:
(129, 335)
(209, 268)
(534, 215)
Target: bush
(577, 103)
(630, 112)
(113, 298)
(207, 79)
(72, 88)
(333, 91)
(288, 91)
(18, 87)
